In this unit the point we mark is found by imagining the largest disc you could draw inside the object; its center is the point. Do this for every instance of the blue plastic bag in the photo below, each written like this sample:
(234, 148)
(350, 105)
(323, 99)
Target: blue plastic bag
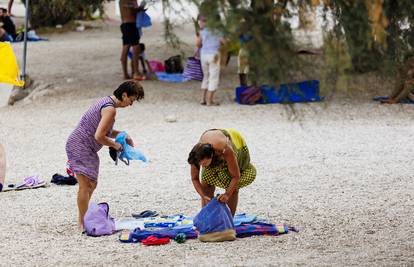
(143, 20)
(128, 153)
(214, 217)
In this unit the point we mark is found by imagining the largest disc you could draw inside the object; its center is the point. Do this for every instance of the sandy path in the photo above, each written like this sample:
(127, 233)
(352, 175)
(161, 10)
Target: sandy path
(342, 173)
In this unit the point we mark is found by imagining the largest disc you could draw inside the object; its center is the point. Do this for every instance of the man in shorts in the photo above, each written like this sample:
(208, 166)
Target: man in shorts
(130, 36)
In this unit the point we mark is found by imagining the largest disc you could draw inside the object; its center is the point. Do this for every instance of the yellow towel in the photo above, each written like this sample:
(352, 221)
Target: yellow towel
(9, 70)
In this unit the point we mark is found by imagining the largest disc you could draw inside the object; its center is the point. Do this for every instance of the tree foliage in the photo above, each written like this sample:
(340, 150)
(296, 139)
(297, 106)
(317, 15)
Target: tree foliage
(52, 12)
(373, 34)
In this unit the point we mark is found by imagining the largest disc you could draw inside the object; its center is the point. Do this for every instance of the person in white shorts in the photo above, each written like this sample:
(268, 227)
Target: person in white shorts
(209, 42)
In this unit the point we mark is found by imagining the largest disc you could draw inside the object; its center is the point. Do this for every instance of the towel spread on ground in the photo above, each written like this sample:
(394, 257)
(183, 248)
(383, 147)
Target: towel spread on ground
(171, 77)
(402, 101)
(306, 91)
(135, 230)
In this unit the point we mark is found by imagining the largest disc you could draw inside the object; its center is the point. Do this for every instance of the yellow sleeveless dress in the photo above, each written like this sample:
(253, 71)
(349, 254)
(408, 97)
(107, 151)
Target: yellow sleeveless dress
(218, 175)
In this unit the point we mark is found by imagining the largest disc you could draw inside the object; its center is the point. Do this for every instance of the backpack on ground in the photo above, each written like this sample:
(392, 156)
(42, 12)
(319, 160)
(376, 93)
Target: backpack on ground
(174, 65)
(97, 221)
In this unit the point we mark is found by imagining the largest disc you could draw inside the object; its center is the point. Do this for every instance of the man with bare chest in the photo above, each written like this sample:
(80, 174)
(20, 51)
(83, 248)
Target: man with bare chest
(130, 36)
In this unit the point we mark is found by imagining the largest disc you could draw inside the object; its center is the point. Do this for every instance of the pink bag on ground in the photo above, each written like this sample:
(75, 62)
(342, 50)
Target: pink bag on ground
(156, 66)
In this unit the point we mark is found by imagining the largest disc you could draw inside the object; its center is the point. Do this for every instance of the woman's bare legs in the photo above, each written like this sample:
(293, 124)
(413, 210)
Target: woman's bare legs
(85, 191)
(233, 201)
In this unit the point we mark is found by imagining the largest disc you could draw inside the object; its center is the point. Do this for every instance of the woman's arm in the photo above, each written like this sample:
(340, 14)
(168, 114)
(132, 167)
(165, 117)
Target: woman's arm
(195, 179)
(107, 119)
(199, 42)
(234, 171)
(114, 133)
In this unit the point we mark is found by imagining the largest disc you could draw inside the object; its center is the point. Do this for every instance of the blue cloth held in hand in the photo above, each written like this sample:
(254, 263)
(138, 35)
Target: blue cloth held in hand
(214, 217)
(143, 20)
(128, 153)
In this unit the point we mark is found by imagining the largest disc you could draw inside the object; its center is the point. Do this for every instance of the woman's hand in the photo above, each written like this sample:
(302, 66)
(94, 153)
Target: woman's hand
(224, 198)
(206, 198)
(118, 147)
(129, 140)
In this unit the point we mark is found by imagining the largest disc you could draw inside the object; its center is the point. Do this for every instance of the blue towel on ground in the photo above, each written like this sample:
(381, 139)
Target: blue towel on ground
(242, 218)
(306, 91)
(403, 101)
(171, 77)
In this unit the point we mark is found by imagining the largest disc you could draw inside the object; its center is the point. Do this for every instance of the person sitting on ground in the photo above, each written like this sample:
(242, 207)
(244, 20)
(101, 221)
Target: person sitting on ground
(209, 43)
(94, 131)
(225, 160)
(2, 167)
(8, 24)
(130, 36)
(4, 37)
(404, 88)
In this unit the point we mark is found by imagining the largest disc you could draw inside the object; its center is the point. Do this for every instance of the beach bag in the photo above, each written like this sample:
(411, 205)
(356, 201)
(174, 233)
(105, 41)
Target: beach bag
(97, 221)
(143, 20)
(192, 70)
(156, 66)
(174, 65)
(215, 223)
(251, 95)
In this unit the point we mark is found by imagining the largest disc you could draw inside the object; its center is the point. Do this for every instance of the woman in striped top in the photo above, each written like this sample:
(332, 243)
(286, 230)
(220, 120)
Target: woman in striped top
(94, 131)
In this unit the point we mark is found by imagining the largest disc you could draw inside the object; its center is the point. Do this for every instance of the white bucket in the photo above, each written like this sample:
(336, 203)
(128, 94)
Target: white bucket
(5, 92)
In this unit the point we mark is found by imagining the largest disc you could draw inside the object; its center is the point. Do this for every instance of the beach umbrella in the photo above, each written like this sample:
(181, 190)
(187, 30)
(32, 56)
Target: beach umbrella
(9, 70)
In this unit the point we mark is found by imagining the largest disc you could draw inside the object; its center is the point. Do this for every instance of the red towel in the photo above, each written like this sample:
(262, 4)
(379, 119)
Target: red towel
(153, 240)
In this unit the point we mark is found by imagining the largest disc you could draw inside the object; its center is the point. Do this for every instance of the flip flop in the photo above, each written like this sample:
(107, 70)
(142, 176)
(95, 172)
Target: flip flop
(145, 214)
(30, 182)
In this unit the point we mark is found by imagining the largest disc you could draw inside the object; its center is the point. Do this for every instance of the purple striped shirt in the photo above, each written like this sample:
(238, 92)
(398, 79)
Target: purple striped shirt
(82, 146)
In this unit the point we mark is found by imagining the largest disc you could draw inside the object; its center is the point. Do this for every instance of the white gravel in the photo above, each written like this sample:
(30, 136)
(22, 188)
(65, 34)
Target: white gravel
(342, 173)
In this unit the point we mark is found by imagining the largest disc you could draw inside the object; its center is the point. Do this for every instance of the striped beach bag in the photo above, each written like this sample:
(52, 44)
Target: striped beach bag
(192, 69)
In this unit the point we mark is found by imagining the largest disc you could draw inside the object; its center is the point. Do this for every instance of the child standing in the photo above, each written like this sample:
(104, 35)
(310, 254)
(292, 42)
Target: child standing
(209, 43)
(94, 131)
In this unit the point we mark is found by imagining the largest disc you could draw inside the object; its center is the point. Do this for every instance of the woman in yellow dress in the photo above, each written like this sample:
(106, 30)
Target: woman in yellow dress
(225, 161)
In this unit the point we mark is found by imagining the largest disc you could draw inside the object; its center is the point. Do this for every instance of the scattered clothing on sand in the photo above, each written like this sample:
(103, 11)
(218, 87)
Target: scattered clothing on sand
(63, 180)
(128, 236)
